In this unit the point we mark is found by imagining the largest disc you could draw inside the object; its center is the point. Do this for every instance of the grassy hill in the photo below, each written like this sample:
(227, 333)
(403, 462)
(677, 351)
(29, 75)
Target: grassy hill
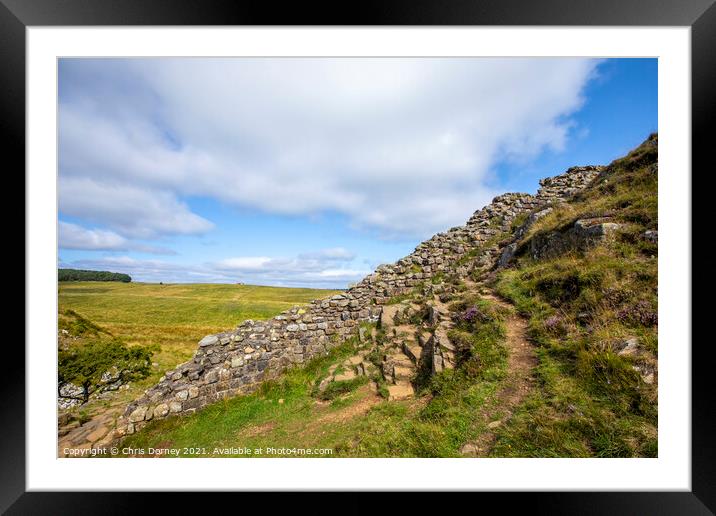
(593, 318)
(170, 319)
(556, 353)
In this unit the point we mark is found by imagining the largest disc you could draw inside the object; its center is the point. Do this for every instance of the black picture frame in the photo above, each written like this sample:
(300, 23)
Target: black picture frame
(700, 15)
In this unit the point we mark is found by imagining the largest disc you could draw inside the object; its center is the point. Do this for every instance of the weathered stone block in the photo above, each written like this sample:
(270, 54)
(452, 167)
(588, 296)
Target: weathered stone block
(161, 410)
(209, 340)
(138, 414)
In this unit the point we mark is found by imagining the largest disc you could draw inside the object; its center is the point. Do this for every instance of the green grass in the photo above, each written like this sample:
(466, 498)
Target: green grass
(349, 418)
(339, 388)
(591, 401)
(193, 305)
(170, 318)
(449, 413)
(565, 418)
(285, 409)
(78, 326)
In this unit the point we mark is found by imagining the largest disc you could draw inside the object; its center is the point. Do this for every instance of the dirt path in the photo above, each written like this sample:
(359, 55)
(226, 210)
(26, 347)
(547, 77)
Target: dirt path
(353, 410)
(520, 381)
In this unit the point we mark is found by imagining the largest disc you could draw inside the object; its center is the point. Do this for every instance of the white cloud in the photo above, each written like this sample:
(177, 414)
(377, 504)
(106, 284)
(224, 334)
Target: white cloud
(296, 271)
(318, 267)
(246, 263)
(402, 146)
(72, 236)
(342, 273)
(333, 253)
(132, 211)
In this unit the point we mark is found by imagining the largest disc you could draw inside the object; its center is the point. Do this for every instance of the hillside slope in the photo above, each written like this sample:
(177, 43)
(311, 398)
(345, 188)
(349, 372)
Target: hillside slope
(586, 276)
(164, 318)
(531, 331)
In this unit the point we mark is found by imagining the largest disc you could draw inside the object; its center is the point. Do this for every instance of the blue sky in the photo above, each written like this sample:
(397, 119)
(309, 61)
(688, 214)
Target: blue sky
(311, 172)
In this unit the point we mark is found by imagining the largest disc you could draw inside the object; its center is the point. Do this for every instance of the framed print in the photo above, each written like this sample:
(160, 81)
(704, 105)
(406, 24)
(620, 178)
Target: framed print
(424, 249)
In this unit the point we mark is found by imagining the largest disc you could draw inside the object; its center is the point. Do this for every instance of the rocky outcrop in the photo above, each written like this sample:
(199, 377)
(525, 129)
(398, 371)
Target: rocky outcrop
(581, 235)
(237, 361)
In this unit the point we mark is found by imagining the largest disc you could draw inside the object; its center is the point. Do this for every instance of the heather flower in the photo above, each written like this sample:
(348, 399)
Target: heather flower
(470, 315)
(640, 312)
(553, 322)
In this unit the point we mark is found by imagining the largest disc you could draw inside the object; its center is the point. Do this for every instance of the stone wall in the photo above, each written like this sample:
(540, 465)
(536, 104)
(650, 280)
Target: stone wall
(237, 361)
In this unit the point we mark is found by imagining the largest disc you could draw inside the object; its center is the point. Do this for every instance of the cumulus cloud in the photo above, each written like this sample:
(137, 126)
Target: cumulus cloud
(401, 146)
(132, 211)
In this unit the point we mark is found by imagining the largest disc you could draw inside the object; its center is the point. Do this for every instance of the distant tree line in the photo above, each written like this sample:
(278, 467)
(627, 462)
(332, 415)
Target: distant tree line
(81, 275)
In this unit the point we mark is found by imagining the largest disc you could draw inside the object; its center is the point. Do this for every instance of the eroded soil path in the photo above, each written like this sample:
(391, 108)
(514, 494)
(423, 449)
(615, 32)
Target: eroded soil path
(520, 381)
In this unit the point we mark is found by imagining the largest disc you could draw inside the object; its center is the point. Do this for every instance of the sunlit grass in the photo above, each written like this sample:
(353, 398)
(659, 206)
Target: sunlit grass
(172, 318)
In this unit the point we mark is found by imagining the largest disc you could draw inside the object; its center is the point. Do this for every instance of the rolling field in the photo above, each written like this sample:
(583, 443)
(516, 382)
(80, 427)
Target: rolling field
(173, 317)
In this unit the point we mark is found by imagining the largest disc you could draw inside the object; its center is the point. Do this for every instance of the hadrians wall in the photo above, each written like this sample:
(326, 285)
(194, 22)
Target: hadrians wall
(237, 361)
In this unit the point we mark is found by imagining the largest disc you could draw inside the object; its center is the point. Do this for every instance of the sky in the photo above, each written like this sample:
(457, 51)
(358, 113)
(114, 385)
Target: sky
(312, 171)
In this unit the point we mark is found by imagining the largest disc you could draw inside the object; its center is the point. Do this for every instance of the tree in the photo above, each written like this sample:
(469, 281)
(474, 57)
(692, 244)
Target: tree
(83, 275)
(101, 365)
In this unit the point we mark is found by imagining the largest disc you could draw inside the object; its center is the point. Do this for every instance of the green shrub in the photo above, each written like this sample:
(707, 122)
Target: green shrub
(85, 365)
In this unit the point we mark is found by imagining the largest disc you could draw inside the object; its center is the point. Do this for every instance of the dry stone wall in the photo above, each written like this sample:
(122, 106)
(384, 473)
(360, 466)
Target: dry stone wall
(237, 361)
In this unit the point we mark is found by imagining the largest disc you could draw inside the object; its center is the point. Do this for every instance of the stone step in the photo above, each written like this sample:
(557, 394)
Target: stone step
(386, 317)
(365, 368)
(413, 351)
(348, 374)
(403, 374)
(400, 392)
(353, 361)
(402, 359)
